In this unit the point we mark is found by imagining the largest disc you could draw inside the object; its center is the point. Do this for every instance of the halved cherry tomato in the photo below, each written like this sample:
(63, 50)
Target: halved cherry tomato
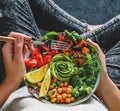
(30, 63)
(47, 59)
(39, 59)
(40, 63)
(27, 61)
(61, 37)
(34, 52)
(54, 52)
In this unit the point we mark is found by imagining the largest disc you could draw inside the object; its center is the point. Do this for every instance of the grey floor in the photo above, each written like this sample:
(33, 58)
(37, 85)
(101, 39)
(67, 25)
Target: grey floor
(93, 11)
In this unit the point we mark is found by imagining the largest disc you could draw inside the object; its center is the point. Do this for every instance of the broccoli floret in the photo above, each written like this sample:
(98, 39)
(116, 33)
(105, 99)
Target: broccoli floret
(88, 90)
(82, 80)
(75, 92)
(85, 90)
(75, 81)
(75, 70)
(81, 71)
(91, 80)
(82, 90)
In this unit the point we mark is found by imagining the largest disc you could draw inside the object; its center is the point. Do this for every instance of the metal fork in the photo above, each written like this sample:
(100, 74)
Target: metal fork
(52, 44)
(58, 45)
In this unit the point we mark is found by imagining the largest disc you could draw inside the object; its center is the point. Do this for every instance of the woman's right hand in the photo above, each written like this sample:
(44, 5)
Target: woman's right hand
(13, 55)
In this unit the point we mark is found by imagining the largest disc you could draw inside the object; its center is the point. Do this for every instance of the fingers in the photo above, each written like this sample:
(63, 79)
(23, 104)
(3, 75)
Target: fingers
(7, 51)
(19, 47)
(6, 48)
(15, 34)
(95, 45)
(30, 47)
(25, 48)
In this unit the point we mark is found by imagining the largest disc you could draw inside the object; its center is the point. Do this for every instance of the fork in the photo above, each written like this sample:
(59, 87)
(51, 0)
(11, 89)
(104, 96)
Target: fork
(52, 44)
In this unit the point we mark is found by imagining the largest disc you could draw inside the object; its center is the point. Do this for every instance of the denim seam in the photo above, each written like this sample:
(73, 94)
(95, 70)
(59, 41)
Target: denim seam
(113, 65)
(32, 20)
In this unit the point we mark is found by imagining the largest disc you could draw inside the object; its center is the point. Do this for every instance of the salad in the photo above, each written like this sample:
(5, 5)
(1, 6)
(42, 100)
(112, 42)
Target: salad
(62, 76)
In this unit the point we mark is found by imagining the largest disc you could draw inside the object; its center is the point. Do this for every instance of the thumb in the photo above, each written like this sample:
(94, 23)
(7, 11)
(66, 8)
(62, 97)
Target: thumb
(18, 47)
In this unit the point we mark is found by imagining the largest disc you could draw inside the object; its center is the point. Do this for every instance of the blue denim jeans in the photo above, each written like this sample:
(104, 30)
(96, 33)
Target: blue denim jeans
(29, 17)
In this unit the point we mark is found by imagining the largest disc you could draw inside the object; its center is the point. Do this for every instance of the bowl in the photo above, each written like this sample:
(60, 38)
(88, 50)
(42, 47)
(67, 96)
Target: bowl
(91, 67)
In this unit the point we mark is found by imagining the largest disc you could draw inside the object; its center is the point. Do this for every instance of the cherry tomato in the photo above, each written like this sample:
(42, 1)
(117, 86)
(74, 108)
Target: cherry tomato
(39, 60)
(31, 63)
(38, 57)
(61, 37)
(27, 61)
(34, 52)
(47, 59)
(54, 52)
(40, 63)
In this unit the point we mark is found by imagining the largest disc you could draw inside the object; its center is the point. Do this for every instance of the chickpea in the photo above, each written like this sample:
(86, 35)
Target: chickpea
(59, 97)
(54, 80)
(51, 93)
(39, 84)
(72, 99)
(59, 90)
(54, 96)
(68, 90)
(51, 87)
(69, 95)
(62, 101)
(64, 89)
(53, 100)
(66, 83)
(70, 86)
(61, 85)
(67, 100)
(64, 95)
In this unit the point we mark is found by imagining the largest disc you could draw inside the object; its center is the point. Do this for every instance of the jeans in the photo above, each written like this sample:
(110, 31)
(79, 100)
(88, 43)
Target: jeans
(29, 17)
(108, 38)
(20, 16)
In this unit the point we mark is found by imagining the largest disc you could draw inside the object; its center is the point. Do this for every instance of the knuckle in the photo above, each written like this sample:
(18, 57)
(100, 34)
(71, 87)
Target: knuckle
(11, 33)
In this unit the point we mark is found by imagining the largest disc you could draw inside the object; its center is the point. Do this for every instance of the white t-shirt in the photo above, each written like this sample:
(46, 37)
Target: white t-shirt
(21, 100)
